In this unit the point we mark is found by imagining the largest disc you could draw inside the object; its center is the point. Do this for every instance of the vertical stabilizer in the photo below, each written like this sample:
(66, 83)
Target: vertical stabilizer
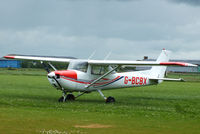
(159, 71)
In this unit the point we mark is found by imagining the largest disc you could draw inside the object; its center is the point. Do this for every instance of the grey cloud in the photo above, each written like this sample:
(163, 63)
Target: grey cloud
(122, 0)
(40, 41)
(129, 29)
(99, 0)
(131, 20)
(190, 2)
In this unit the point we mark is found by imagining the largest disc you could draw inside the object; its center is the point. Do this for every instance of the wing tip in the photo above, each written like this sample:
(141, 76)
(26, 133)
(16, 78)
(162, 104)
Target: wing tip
(9, 57)
(178, 64)
(191, 65)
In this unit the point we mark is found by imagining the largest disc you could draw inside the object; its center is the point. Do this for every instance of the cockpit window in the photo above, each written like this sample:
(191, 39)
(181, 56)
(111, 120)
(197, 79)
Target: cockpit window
(78, 65)
(99, 70)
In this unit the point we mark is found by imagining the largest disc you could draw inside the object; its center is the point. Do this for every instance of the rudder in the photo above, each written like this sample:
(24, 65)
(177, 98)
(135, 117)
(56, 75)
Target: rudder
(159, 71)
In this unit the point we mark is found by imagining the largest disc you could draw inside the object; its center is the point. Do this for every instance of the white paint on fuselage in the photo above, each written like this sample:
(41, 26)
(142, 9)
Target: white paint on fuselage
(111, 81)
(127, 79)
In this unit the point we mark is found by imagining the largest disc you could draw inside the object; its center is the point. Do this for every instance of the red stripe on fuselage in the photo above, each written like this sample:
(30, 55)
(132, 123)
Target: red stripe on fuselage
(97, 84)
(75, 80)
(102, 83)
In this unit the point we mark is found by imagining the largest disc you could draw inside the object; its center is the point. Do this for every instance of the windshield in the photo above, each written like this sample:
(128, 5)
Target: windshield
(78, 65)
(99, 70)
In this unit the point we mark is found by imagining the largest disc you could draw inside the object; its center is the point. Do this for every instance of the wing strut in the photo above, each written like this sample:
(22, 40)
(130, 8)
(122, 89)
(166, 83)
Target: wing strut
(101, 77)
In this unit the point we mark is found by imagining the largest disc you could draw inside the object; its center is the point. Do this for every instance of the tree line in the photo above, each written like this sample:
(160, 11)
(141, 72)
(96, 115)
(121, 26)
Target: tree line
(37, 64)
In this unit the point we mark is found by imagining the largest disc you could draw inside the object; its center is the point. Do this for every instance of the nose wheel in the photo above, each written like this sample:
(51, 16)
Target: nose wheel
(62, 99)
(70, 97)
(65, 97)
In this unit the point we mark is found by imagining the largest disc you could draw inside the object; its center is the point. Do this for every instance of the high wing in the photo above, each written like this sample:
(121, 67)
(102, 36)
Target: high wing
(139, 63)
(162, 60)
(98, 62)
(40, 58)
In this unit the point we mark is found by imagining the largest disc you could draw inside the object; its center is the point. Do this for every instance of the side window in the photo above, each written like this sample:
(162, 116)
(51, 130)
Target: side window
(99, 70)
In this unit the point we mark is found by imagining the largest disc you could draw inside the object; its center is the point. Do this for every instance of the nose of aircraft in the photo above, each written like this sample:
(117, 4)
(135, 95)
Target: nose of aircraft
(64, 73)
(51, 75)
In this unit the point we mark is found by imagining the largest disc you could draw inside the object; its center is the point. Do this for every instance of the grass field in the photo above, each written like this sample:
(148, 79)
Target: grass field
(28, 104)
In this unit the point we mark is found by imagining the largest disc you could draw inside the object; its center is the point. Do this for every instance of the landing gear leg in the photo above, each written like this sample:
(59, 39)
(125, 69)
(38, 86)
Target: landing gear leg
(109, 99)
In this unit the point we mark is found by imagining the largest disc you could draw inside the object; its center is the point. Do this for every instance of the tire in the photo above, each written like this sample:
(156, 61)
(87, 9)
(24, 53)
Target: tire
(110, 100)
(61, 99)
(70, 97)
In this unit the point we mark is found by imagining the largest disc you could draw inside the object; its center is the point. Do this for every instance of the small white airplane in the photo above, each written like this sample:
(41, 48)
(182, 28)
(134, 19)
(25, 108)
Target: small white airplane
(85, 76)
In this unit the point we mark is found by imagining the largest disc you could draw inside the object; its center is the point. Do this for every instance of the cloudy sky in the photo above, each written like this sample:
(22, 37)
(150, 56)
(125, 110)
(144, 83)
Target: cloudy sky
(129, 29)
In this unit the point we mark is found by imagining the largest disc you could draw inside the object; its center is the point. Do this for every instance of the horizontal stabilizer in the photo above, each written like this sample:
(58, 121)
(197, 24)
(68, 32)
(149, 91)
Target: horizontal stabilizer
(168, 79)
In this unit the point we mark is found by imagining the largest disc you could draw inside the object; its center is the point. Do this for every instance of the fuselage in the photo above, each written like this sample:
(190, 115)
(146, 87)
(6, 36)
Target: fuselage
(77, 79)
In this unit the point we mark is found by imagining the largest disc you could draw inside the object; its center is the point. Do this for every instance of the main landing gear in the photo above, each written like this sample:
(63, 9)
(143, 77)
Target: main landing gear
(109, 99)
(71, 97)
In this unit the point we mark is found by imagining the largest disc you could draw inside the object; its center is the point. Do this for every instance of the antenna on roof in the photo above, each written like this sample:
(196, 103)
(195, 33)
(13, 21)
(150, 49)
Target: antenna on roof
(92, 55)
(108, 55)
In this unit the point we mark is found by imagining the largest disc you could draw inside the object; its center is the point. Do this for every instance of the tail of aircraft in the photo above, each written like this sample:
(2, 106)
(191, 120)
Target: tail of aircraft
(159, 71)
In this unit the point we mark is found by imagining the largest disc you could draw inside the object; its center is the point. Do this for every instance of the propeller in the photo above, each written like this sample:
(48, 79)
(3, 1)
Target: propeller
(45, 67)
(52, 74)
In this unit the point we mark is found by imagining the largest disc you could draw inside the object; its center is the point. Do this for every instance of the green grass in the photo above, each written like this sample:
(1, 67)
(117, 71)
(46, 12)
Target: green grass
(192, 77)
(28, 104)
